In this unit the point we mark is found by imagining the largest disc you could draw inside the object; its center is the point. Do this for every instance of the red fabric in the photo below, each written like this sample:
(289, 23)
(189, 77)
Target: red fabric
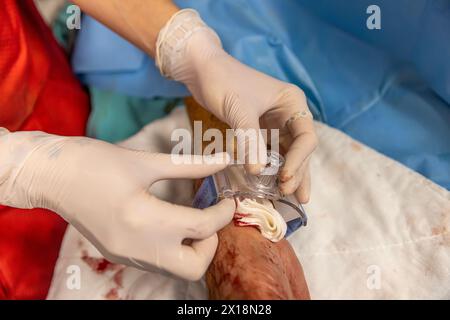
(37, 92)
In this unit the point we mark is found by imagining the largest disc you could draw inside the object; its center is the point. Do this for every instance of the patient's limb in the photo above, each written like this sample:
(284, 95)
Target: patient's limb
(247, 265)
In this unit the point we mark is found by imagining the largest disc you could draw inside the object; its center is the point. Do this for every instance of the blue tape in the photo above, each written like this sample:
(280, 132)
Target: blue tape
(293, 226)
(206, 195)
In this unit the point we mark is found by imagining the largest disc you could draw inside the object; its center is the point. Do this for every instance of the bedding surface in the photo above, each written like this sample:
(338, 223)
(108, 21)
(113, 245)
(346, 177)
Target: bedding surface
(376, 230)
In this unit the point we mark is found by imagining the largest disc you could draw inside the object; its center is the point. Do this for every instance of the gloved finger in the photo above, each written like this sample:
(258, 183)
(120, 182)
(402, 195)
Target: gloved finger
(251, 144)
(171, 166)
(177, 223)
(185, 222)
(291, 185)
(305, 142)
(204, 223)
(193, 260)
(303, 192)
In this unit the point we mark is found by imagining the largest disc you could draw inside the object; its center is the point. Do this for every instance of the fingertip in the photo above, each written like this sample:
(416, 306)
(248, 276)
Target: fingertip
(228, 207)
(302, 195)
(288, 187)
(256, 157)
(228, 201)
(219, 215)
(286, 175)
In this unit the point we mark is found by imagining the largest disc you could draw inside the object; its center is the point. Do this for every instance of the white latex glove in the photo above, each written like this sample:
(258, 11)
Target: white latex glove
(102, 190)
(190, 52)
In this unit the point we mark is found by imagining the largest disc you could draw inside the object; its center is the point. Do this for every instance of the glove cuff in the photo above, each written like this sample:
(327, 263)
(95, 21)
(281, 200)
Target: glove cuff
(15, 149)
(173, 38)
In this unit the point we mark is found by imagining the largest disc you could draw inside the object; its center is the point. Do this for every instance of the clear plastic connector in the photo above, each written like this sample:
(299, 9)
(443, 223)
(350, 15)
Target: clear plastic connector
(235, 182)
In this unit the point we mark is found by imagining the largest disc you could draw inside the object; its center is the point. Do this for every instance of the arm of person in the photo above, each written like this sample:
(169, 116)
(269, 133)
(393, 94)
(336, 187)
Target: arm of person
(102, 189)
(138, 21)
(247, 266)
(188, 51)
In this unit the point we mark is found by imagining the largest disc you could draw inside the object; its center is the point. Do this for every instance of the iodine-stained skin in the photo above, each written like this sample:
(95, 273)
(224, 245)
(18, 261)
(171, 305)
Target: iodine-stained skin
(247, 266)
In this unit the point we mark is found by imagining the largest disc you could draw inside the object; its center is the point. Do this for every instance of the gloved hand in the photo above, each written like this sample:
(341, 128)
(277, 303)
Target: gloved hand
(102, 190)
(190, 52)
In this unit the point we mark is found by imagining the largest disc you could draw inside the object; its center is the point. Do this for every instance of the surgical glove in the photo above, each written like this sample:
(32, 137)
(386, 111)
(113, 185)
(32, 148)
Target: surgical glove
(190, 52)
(102, 190)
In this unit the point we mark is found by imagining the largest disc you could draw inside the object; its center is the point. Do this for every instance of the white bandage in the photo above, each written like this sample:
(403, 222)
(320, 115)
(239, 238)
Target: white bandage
(261, 214)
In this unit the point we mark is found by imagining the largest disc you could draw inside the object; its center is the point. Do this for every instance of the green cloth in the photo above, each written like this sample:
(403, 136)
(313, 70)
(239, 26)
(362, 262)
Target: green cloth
(63, 35)
(115, 117)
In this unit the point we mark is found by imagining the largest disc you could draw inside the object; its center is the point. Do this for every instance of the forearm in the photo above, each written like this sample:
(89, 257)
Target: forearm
(138, 21)
(247, 266)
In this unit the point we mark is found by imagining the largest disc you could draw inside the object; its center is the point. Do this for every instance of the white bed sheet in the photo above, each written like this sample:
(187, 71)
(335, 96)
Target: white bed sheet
(376, 230)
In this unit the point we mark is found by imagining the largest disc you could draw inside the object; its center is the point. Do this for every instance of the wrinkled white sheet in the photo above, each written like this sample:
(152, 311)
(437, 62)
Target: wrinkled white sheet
(377, 230)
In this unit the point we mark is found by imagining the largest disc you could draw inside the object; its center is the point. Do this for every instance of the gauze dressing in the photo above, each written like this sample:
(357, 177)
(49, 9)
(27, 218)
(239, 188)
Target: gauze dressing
(259, 200)
(261, 214)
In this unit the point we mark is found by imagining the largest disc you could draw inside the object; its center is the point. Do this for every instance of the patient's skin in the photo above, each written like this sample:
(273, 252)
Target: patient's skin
(248, 266)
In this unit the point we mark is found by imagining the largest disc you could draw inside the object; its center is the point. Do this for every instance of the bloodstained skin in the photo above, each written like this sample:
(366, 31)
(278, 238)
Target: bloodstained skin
(248, 266)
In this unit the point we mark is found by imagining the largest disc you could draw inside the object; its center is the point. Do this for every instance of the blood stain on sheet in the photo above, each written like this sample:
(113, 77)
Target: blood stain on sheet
(112, 294)
(410, 220)
(438, 230)
(99, 265)
(118, 278)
